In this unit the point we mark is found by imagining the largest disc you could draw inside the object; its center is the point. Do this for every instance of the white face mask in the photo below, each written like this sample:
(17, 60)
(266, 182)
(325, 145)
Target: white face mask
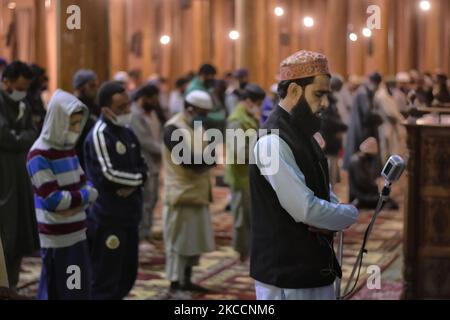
(123, 120)
(72, 138)
(18, 95)
(255, 110)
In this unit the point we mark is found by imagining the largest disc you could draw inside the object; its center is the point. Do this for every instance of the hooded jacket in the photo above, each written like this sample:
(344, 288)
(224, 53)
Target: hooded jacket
(58, 180)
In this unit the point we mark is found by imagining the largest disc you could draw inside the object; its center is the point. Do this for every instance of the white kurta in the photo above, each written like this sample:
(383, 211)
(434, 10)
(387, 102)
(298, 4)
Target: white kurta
(188, 233)
(300, 202)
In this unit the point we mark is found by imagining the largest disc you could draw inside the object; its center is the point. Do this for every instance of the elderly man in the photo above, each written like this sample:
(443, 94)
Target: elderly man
(294, 211)
(187, 192)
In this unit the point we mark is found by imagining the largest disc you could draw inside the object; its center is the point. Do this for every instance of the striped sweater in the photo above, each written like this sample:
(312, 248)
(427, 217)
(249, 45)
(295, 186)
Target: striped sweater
(59, 184)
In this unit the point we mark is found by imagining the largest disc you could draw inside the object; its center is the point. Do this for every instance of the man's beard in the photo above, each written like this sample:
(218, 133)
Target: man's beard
(304, 119)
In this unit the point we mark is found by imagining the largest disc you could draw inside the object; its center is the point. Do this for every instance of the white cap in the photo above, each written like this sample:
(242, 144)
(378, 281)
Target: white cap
(121, 76)
(403, 77)
(200, 99)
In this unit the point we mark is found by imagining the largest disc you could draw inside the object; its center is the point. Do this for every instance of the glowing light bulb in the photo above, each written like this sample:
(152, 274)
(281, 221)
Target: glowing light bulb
(234, 35)
(425, 5)
(279, 11)
(165, 40)
(353, 37)
(308, 22)
(367, 32)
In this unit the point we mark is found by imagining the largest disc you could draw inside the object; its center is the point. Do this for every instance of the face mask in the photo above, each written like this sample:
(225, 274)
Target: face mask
(199, 118)
(254, 110)
(17, 95)
(150, 107)
(304, 119)
(209, 83)
(72, 138)
(123, 120)
(242, 85)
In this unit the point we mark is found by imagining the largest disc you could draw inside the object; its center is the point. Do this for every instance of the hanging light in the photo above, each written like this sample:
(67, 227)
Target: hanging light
(279, 11)
(308, 22)
(165, 40)
(12, 5)
(353, 37)
(367, 32)
(425, 5)
(234, 35)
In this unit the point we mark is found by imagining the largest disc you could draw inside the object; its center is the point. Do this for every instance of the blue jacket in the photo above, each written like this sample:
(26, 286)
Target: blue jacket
(113, 161)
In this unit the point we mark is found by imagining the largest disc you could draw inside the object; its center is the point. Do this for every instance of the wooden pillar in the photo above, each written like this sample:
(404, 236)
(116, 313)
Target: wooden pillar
(431, 38)
(222, 12)
(201, 35)
(251, 49)
(84, 48)
(273, 43)
(356, 50)
(166, 51)
(118, 35)
(336, 36)
(40, 40)
(52, 32)
(446, 27)
(377, 59)
(318, 11)
(246, 45)
(406, 35)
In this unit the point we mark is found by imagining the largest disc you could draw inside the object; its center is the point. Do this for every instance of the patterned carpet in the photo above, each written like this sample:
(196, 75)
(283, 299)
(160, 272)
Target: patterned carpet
(228, 278)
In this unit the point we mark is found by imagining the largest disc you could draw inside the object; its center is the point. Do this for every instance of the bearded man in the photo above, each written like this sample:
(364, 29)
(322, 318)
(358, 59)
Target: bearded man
(294, 212)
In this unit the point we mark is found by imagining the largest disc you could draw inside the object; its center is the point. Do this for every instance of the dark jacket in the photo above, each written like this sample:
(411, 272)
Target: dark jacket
(18, 228)
(113, 161)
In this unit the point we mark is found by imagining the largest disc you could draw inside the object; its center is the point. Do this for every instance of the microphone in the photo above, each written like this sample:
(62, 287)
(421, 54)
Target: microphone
(393, 169)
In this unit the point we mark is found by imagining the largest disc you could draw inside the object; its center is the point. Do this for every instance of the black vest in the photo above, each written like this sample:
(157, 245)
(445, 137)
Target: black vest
(284, 253)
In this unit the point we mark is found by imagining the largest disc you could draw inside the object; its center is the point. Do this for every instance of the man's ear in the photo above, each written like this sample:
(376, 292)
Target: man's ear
(6, 83)
(295, 90)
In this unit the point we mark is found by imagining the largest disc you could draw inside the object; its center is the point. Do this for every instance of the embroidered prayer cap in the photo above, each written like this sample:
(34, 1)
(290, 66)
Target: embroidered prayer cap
(303, 64)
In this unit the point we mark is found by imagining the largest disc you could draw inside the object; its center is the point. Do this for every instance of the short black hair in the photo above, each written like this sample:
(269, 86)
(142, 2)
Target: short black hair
(148, 90)
(284, 85)
(253, 92)
(376, 78)
(17, 69)
(207, 70)
(181, 82)
(107, 91)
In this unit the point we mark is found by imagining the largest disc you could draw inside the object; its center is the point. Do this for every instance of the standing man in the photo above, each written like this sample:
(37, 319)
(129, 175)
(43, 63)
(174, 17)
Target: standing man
(115, 166)
(205, 79)
(176, 100)
(244, 117)
(146, 102)
(294, 212)
(364, 119)
(187, 192)
(18, 228)
(85, 85)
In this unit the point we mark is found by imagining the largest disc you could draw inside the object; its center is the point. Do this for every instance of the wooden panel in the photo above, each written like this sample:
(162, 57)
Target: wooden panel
(84, 48)
(427, 214)
(118, 35)
(336, 36)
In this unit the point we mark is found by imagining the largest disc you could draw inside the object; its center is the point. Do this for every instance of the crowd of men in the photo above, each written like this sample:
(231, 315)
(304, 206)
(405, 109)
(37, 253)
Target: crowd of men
(80, 173)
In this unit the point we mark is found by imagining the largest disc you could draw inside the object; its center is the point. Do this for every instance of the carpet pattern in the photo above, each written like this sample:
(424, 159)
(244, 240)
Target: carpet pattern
(228, 278)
